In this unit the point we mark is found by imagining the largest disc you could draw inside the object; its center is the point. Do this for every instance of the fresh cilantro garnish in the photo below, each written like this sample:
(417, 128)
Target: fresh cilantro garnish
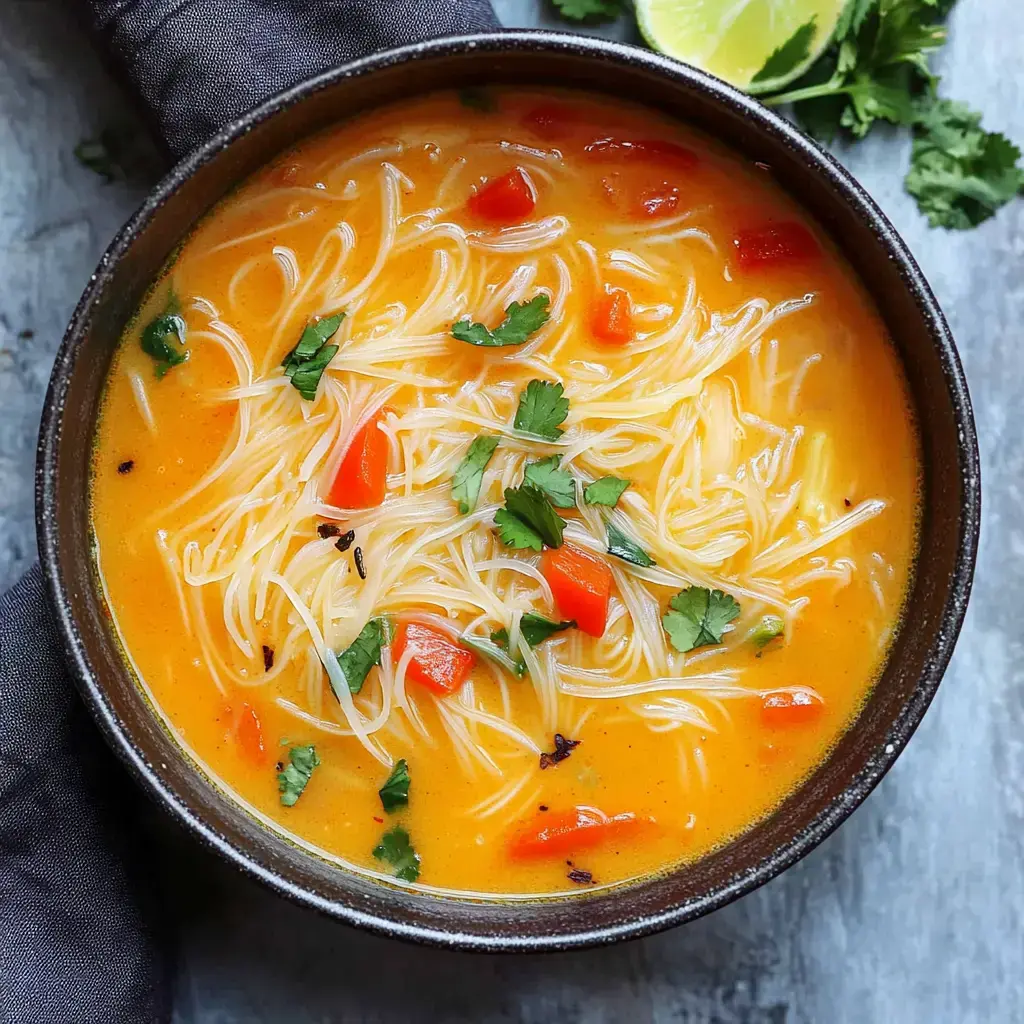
(292, 781)
(467, 479)
(556, 483)
(496, 649)
(528, 519)
(876, 65)
(789, 56)
(164, 336)
(768, 629)
(623, 546)
(395, 792)
(364, 652)
(581, 10)
(605, 491)
(306, 362)
(395, 848)
(698, 617)
(541, 409)
(521, 320)
(479, 99)
(959, 173)
(536, 629)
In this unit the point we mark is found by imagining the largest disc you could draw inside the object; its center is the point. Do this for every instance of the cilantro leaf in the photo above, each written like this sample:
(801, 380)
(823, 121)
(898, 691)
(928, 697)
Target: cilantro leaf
(541, 409)
(581, 10)
(536, 629)
(470, 474)
(305, 364)
(395, 848)
(496, 649)
(789, 55)
(605, 491)
(768, 629)
(623, 546)
(698, 617)
(556, 483)
(521, 320)
(395, 792)
(364, 652)
(163, 338)
(960, 174)
(528, 519)
(292, 781)
(514, 533)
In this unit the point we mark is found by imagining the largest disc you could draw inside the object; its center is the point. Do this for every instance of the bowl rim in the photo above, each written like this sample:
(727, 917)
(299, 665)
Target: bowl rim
(849, 192)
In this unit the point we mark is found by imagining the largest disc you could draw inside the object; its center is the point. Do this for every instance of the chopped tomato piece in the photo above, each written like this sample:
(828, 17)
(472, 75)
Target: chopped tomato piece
(786, 242)
(612, 319)
(790, 707)
(362, 477)
(557, 833)
(659, 151)
(507, 199)
(437, 662)
(249, 734)
(661, 201)
(581, 586)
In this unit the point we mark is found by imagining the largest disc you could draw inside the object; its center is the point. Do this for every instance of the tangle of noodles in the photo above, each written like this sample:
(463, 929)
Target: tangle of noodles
(737, 413)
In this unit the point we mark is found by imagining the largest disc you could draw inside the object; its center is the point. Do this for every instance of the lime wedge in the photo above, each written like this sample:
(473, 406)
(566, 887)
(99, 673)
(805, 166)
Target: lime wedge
(757, 45)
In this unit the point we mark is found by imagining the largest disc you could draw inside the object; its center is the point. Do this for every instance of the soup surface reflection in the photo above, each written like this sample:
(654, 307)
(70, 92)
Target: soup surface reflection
(507, 492)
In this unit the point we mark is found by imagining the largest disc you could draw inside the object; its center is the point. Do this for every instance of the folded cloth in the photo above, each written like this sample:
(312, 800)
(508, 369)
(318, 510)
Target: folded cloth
(81, 940)
(197, 65)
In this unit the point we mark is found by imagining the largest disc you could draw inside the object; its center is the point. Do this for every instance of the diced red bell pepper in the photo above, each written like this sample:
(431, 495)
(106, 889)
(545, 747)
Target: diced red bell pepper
(559, 833)
(437, 662)
(581, 586)
(776, 244)
(505, 200)
(612, 318)
(782, 708)
(659, 151)
(249, 734)
(661, 201)
(362, 477)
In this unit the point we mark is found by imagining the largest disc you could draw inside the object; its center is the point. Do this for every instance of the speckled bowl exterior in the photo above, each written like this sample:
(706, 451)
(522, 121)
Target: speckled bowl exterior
(949, 522)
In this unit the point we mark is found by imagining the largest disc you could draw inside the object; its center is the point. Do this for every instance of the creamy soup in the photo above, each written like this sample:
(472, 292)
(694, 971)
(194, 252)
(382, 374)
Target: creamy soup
(507, 492)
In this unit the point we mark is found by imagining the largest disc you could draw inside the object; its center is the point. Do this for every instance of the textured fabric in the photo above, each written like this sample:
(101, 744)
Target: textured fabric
(78, 935)
(197, 64)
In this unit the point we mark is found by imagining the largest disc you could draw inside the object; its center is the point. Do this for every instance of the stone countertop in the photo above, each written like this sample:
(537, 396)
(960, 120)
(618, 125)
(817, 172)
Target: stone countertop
(911, 912)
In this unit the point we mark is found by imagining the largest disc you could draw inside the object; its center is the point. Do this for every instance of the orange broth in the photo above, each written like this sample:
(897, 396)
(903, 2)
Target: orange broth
(821, 392)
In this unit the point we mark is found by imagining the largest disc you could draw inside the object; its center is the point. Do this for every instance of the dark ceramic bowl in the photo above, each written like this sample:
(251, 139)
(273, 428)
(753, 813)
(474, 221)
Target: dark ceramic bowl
(949, 527)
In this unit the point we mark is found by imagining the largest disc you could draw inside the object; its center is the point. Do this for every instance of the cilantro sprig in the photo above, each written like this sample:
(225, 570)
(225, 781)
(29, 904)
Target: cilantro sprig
(470, 474)
(292, 781)
(786, 58)
(163, 338)
(623, 546)
(396, 849)
(697, 617)
(877, 68)
(541, 409)
(305, 364)
(364, 652)
(533, 628)
(590, 10)
(521, 320)
(605, 491)
(528, 519)
(395, 791)
(557, 484)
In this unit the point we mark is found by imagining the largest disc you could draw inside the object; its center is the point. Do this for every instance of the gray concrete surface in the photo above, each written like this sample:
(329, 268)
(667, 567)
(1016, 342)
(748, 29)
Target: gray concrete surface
(912, 912)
